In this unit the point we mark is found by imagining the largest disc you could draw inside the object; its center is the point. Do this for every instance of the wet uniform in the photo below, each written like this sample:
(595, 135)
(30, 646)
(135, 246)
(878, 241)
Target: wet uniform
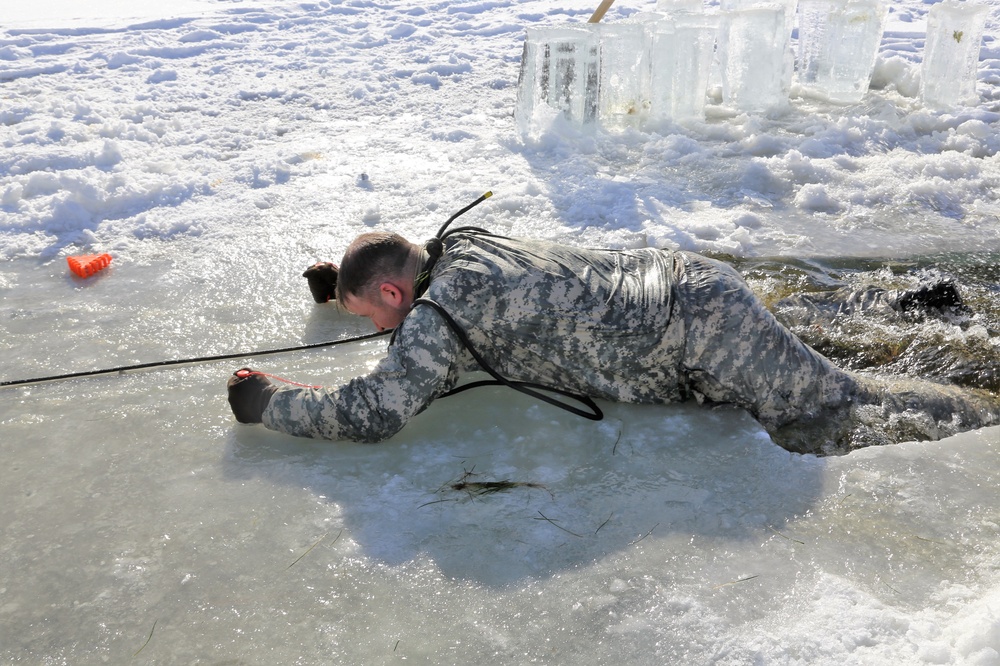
(638, 326)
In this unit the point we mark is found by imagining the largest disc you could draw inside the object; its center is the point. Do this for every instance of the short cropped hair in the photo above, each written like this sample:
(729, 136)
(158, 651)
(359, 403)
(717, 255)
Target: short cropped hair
(370, 260)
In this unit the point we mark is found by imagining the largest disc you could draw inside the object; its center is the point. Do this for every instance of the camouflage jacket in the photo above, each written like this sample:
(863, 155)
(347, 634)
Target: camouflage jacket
(595, 322)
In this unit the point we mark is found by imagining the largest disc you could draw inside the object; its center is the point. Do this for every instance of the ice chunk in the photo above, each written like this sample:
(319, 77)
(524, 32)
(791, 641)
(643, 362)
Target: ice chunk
(673, 6)
(530, 91)
(679, 53)
(559, 69)
(622, 81)
(753, 49)
(838, 43)
(788, 5)
(951, 53)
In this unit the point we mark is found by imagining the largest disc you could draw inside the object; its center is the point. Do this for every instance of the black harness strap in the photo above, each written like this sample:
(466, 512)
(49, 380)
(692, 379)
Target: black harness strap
(435, 248)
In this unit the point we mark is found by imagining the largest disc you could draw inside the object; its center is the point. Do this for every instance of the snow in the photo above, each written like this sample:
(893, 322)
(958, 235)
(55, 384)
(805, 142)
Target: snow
(216, 149)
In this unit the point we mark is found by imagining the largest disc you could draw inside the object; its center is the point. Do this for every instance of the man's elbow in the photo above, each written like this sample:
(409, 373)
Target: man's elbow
(377, 429)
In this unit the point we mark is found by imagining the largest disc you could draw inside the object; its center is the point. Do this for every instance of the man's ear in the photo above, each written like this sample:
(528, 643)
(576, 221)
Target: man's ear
(391, 294)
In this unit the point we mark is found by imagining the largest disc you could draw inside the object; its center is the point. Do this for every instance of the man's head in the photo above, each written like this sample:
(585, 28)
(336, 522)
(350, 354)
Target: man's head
(376, 278)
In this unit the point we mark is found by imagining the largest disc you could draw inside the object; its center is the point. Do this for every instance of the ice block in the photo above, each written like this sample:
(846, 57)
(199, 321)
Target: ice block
(679, 51)
(621, 98)
(951, 53)
(673, 6)
(753, 43)
(837, 46)
(560, 68)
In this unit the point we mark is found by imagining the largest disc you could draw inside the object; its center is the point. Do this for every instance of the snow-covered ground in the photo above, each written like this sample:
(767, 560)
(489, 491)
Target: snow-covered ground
(216, 148)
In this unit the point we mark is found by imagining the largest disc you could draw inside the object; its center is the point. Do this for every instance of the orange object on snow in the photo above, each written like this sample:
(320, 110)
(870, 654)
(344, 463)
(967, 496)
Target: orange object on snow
(86, 265)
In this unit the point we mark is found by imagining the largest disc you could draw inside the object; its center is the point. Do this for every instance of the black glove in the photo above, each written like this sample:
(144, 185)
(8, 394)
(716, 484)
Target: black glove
(249, 393)
(322, 279)
(938, 296)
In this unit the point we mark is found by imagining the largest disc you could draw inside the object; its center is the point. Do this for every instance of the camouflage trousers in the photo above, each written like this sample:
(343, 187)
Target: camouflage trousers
(736, 352)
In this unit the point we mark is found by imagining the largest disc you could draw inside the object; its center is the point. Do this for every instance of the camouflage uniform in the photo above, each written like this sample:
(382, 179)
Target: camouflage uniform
(637, 326)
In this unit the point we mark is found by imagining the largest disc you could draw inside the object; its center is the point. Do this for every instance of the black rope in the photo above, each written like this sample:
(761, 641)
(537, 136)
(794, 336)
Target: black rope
(227, 357)
(188, 361)
(484, 197)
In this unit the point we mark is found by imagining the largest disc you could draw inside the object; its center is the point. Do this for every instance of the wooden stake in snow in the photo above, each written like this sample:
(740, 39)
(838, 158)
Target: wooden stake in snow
(601, 11)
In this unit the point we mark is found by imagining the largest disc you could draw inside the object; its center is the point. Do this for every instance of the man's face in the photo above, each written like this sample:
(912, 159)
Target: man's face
(386, 310)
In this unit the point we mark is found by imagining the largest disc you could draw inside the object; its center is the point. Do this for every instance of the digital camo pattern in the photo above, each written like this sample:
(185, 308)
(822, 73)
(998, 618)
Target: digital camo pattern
(636, 326)
(736, 352)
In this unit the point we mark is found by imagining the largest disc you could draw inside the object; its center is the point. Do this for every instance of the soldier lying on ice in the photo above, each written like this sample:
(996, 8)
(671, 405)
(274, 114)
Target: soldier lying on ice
(641, 326)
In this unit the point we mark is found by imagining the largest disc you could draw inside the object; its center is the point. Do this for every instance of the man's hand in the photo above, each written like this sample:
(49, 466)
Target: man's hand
(322, 279)
(249, 394)
(937, 296)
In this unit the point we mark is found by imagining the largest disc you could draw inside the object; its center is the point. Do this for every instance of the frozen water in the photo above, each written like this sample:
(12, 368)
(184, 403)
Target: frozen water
(216, 152)
(680, 51)
(560, 69)
(753, 49)
(648, 68)
(951, 53)
(789, 7)
(532, 83)
(674, 6)
(788, 57)
(838, 42)
(622, 99)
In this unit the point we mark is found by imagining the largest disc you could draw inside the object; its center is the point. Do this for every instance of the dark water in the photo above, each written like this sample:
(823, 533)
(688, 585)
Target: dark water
(957, 344)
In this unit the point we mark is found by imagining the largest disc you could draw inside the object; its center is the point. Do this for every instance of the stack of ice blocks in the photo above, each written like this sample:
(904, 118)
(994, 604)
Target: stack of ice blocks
(654, 67)
(651, 69)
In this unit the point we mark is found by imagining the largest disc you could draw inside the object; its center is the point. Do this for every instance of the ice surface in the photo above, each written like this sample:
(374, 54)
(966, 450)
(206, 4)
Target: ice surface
(838, 41)
(216, 156)
(950, 65)
(753, 49)
(637, 540)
